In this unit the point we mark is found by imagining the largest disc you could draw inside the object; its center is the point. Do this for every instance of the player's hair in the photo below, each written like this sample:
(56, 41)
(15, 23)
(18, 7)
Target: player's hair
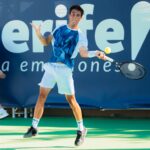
(76, 7)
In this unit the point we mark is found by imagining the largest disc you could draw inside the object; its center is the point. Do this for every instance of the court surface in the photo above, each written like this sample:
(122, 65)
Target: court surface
(59, 133)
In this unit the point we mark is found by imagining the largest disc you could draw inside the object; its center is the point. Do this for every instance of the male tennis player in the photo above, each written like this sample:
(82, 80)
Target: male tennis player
(67, 41)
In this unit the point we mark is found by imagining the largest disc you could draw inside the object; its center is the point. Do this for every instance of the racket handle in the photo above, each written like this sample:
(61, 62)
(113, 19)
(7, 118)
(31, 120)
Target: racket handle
(109, 59)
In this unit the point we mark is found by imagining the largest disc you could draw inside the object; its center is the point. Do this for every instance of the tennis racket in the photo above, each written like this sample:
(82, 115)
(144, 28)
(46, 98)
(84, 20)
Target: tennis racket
(130, 69)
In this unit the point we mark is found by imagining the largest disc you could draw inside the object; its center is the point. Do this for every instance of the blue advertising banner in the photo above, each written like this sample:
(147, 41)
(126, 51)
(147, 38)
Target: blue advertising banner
(122, 25)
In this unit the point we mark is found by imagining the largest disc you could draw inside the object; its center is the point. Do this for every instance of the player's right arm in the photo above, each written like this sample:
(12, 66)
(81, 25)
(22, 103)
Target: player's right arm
(44, 40)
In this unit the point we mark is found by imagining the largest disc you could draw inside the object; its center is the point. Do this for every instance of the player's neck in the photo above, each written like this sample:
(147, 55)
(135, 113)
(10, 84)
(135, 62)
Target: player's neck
(73, 27)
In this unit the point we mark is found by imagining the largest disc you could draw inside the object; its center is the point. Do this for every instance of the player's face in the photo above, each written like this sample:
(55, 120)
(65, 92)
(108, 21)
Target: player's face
(74, 17)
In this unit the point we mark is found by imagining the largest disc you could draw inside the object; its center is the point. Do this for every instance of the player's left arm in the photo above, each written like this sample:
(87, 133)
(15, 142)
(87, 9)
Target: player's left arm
(89, 54)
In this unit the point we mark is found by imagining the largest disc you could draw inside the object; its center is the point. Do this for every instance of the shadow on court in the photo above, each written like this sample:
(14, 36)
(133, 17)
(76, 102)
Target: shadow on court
(97, 127)
(59, 132)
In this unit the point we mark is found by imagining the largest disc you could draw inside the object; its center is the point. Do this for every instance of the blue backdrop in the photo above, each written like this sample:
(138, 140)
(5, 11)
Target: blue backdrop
(122, 25)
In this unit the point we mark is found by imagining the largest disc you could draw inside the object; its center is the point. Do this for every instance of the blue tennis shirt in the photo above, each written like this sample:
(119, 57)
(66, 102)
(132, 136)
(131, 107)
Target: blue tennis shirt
(66, 43)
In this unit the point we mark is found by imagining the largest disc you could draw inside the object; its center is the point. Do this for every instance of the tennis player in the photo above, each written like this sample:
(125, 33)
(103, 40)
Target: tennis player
(67, 41)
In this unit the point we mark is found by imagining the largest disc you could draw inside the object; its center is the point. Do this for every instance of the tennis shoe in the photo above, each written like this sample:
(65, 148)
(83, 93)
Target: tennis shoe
(80, 137)
(31, 132)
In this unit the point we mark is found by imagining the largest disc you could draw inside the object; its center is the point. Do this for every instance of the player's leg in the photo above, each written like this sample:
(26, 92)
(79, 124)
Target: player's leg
(65, 84)
(75, 108)
(39, 107)
(46, 84)
(38, 112)
(82, 131)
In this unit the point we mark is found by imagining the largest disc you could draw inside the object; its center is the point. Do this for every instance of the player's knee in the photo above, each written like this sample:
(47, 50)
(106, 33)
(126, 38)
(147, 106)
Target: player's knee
(71, 100)
(42, 97)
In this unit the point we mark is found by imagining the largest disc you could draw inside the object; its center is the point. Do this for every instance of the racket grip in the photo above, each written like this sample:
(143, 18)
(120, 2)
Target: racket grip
(109, 59)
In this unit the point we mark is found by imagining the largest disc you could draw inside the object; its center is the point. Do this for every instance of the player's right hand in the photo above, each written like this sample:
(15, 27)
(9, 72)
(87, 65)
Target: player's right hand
(37, 28)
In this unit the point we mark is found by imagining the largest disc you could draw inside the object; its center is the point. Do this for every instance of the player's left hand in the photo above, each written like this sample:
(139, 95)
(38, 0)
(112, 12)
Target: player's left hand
(100, 55)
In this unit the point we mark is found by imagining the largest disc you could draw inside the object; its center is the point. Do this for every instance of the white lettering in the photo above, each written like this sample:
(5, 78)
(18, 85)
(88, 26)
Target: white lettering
(46, 26)
(96, 63)
(140, 26)
(37, 65)
(14, 36)
(82, 66)
(23, 66)
(84, 23)
(107, 66)
(5, 66)
(110, 30)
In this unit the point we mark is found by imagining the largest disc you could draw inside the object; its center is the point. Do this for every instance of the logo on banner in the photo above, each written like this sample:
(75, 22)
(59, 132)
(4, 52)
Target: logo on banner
(15, 34)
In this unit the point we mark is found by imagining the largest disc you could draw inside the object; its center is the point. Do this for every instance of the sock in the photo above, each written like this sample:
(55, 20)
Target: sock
(80, 125)
(35, 122)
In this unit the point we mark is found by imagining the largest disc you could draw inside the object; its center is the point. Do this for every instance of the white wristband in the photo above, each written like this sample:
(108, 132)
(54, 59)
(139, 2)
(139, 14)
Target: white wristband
(91, 54)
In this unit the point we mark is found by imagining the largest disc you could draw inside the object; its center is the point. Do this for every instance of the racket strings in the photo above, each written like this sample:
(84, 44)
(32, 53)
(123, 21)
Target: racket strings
(132, 70)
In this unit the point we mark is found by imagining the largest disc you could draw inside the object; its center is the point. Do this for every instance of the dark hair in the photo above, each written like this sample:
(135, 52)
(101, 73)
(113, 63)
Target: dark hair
(76, 7)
